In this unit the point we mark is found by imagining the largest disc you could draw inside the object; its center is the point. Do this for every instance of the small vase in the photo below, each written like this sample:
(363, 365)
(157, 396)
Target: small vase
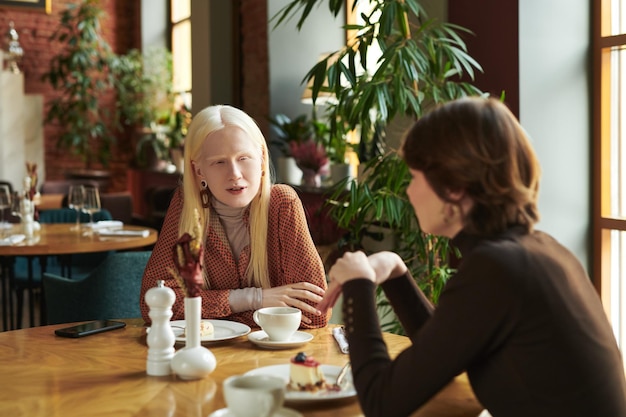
(194, 361)
(339, 172)
(287, 170)
(311, 178)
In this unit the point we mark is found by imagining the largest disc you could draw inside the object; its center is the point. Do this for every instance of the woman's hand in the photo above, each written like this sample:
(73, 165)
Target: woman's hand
(351, 265)
(378, 267)
(294, 295)
(387, 265)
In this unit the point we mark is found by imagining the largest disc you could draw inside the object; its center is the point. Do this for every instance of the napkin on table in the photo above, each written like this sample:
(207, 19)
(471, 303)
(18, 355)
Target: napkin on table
(124, 233)
(106, 224)
(12, 240)
(340, 338)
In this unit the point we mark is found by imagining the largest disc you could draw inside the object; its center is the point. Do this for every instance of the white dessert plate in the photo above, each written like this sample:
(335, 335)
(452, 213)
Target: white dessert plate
(283, 412)
(330, 374)
(223, 330)
(260, 338)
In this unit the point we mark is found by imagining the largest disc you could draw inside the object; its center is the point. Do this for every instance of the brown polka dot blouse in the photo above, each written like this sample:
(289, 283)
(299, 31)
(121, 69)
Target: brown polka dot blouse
(292, 257)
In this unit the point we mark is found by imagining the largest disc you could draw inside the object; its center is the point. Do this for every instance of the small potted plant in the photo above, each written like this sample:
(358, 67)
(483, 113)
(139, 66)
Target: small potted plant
(287, 131)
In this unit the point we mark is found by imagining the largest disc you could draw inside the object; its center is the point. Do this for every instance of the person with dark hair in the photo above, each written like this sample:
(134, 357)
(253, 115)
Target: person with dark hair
(520, 315)
(258, 251)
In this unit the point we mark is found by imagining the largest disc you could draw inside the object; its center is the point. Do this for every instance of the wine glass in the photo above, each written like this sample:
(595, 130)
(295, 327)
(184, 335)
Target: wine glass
(75, 201)
(91, 203)
(16, 204)
(5, 203)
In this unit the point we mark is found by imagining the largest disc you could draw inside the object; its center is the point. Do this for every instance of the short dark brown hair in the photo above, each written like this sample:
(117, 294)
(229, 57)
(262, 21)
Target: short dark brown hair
(476, 145)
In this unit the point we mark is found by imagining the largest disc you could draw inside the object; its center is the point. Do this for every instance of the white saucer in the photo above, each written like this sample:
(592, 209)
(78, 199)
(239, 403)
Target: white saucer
(260, 338)
(283, 412)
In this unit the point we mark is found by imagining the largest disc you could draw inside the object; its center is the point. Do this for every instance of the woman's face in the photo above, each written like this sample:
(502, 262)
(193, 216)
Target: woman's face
(231, 164)
(430, 209)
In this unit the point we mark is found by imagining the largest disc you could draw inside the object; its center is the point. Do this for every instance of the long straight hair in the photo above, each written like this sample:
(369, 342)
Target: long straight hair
(207, 121)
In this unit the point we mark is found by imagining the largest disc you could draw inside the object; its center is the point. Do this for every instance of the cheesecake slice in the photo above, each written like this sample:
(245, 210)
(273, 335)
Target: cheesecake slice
(305, 374)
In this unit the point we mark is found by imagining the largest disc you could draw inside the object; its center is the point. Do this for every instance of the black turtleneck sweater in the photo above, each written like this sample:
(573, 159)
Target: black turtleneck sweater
(520, 316)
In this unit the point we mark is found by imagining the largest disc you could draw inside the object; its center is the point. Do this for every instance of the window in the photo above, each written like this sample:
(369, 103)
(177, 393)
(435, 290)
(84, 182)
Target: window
(609, 163)
(180, 20)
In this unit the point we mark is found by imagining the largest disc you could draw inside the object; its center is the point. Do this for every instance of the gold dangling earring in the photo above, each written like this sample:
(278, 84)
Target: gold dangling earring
(204, 194)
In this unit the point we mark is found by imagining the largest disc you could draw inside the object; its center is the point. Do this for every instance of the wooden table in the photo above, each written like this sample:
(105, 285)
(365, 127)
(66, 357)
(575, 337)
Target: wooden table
(105, 375)
(59, 239)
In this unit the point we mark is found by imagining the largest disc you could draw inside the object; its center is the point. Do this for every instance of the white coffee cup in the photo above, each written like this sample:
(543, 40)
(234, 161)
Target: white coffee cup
(280, 323)
(254, 395)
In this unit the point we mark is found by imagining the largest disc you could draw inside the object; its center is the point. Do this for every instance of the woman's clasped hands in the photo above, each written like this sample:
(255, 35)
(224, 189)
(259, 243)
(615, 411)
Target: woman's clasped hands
(378, 268)
(295, 295)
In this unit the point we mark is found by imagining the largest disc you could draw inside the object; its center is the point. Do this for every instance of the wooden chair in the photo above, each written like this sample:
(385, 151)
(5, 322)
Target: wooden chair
(111, 291)
(158, 202)
(63, 186)
(120, 205)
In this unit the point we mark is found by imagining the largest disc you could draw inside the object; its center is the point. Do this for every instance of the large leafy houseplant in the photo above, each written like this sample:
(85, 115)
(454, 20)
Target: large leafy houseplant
(81, 74)
(422, 62)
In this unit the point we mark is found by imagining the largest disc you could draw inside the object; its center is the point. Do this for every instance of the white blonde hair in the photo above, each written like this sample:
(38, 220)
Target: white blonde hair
(207, 121)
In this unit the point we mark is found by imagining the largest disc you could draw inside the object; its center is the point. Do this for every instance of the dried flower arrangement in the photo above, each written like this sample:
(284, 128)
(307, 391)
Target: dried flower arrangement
(187, 255)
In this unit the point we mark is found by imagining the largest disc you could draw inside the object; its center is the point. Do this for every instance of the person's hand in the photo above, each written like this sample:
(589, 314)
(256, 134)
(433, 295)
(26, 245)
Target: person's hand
(351, 265)
(330, 298)
(294, 295)
(387, 265)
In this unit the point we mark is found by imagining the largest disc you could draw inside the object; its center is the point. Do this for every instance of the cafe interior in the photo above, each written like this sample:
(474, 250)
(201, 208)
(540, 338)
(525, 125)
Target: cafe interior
(544, 59)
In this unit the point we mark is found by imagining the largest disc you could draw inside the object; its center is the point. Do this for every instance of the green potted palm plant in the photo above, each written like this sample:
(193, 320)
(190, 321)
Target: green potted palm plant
(422, 62)
(81, 75)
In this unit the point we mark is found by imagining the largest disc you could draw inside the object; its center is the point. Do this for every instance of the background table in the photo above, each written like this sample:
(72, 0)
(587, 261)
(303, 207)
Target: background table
(59, 239)
(104, 375)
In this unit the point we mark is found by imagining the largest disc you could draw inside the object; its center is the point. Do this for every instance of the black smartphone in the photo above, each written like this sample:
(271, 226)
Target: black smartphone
(92, 327)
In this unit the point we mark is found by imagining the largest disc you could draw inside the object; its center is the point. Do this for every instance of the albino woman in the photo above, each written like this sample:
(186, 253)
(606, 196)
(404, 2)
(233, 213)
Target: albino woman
(258, 251)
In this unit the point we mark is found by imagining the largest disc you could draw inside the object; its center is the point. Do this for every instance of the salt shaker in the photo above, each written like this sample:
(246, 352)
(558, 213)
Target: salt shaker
(161, 336)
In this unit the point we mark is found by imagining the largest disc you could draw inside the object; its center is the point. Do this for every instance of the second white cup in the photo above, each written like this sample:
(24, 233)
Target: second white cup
(254, 395)
(280, 323)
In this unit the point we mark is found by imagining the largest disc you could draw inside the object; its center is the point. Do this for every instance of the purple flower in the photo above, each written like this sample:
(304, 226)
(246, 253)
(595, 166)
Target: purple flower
(309, 155)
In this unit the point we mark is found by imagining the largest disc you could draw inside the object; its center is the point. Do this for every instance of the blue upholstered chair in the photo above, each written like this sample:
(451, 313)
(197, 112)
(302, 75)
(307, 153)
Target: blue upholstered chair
(111, 291)
(80, 265)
